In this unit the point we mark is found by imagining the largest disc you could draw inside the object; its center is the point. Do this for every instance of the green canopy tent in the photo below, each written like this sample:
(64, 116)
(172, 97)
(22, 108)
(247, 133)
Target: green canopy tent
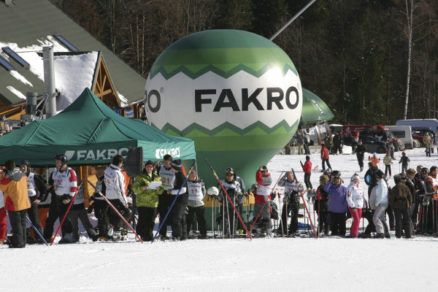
(89, 132)
(315, 110)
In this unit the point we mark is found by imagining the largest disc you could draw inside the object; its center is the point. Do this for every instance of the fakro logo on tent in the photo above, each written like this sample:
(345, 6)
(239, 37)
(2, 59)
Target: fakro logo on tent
(95, 154)
(174, 152)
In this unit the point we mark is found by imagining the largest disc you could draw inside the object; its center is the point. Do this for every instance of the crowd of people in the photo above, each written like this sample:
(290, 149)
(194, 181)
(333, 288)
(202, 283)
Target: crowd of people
(167, 191)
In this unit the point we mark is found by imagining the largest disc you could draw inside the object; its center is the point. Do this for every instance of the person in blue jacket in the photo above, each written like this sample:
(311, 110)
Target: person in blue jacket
(337, 205)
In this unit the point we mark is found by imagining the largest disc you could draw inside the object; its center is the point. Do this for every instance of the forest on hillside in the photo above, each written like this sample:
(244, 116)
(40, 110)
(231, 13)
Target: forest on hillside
(354, 54)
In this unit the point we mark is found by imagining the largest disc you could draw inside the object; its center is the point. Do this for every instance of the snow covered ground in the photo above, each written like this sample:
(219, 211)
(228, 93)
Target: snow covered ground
(275, 264)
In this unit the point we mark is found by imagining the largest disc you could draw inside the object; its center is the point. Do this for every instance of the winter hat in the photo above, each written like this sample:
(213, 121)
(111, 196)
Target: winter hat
(307, 157)
(355, 176)
(379, 174)
(374, 154)
(149, 162)
(403, 153)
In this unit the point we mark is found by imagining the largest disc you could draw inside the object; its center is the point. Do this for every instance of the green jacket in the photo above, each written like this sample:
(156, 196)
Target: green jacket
(146, 198)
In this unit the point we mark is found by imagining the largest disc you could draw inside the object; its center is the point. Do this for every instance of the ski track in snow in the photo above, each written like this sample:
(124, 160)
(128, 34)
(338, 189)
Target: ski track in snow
(274, 264)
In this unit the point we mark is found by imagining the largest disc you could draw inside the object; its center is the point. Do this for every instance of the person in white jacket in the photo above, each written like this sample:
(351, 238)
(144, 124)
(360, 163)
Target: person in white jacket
(115, 193)
(355, 201)
(379, 203)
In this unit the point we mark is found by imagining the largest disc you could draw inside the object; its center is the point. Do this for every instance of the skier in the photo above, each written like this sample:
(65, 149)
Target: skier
(387, 160)
(262, 198)
(337, 143)
(14, 188)
(99, 205)
(147, 200)
(400, 198)
(232, 186)
(291, 204)
(360, 154)
(196, 190)
(404, 160)
(78, 212)
(321, 205)
(115, 193)
(427, 141)
(307, 168)
(355, 202)
(389, 145)
(325, 157)
(374, 159)
(379, 203)
(36, 189)
(172, 179)
(337, 205)
(65, 185)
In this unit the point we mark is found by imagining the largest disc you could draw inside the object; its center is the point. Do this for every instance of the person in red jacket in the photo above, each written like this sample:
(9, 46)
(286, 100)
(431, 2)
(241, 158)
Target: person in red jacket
(262, 198)
(325, 157)
(307, 168)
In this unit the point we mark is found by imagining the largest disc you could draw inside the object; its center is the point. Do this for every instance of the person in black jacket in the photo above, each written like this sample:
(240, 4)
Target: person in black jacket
(360, 154)
(321, 205)
(371, 181)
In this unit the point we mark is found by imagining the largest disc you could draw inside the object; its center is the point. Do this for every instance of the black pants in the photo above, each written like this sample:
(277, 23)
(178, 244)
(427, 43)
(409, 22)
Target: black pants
(324, 161)
(101, 213)
(179, 227)
(18, 224)
(402, 222)
(78, 212)
(307, 180)
(390, 213)
(114, 218)
(292, 207)
(368, 214)
(360, 160)
(57, 210)
(164, 202)
(404, 168)
(337, 223)
(323, 224)
(146, 222)
(388, 170)
(199, 213)
(32, 212)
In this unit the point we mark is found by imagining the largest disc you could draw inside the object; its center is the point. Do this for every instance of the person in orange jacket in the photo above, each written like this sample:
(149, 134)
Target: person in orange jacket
(374, 159)
(14, 187)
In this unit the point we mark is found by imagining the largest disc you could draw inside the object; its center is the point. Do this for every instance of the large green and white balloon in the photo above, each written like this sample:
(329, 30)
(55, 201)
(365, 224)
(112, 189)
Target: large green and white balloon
(235, 93)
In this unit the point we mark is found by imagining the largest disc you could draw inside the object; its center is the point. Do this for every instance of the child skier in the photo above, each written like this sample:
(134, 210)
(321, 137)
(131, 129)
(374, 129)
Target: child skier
(355, 202)
(291, 205)
(321, 205)
(404, 160)
(196, 189)
(387, 160)
(262, 205)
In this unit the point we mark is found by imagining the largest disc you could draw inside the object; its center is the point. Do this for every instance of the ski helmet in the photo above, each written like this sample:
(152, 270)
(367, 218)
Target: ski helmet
(61, 157)
(213, 191)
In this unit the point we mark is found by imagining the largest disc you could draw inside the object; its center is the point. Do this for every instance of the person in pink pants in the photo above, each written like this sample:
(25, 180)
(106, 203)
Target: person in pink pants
(355, 201)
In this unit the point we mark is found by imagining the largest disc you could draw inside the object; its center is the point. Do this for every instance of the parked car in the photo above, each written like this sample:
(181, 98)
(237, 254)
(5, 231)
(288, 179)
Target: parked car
(404, 133)
(419, 133)
(373, 144)
(431, 124)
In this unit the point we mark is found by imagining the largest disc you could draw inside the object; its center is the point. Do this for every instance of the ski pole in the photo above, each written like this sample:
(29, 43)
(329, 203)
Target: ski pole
(65, 215)
(264, 204)
(229, 199)
(118, 213)
(37, 231)
(173, 203)
(305, 205)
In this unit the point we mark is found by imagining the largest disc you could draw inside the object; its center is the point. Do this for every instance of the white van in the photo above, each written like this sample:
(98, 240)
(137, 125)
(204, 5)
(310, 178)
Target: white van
(404, 133)
(431, 124)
